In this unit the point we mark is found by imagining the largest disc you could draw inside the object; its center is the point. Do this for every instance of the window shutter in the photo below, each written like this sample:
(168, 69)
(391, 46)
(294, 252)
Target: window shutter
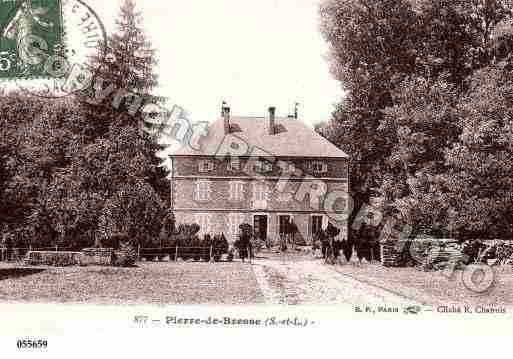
(197, 192)
(234, 164)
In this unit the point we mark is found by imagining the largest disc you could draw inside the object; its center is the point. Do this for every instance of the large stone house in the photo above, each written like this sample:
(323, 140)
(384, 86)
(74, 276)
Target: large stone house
(263, 171)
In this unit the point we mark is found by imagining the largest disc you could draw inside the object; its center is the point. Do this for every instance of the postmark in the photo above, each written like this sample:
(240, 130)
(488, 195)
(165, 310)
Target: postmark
(65, 67)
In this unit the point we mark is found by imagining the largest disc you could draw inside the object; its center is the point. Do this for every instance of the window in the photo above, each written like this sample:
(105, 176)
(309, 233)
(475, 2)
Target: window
(204, 221)
(319, 167)
(236, 191)
(263, 167)
(290, 168)
(206, 166)
(284, 197)
(234, 164)
(203, 191)
(260, 191)
(234, 221)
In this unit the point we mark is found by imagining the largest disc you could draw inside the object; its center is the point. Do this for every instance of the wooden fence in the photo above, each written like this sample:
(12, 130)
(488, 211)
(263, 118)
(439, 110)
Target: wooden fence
(17, 254)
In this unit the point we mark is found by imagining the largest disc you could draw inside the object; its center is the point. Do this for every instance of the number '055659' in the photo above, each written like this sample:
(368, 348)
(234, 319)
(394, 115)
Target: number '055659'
(32, 344)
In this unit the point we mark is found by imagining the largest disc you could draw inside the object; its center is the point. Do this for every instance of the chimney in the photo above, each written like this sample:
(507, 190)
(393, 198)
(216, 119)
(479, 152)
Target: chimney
(226, 117)
(272, 120)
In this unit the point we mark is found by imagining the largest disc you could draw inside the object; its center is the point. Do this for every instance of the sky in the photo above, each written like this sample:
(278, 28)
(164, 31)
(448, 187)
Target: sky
(251, 54)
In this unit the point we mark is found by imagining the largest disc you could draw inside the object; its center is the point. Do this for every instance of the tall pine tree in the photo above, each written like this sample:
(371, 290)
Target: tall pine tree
(122, 85)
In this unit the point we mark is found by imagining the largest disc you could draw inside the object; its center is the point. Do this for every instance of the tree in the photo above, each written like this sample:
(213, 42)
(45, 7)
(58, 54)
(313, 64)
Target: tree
(126, 77)
(420, 126)
(372, 44)
(459, 36)
(124, 74)
(404, 66)
(63, 162)
(482, 160)
(134, 210)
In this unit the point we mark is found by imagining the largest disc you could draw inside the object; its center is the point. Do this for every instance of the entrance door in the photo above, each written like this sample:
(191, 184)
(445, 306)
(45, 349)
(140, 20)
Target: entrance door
(316, 225)
(260, 225)
(284, 222)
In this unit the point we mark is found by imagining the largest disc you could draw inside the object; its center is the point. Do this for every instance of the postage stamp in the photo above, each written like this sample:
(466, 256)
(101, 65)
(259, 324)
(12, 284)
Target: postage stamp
(30, 32)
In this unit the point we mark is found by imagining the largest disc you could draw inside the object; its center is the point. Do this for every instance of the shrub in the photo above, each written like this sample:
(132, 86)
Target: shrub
(220, 246)
(206, 244)
(188, 242)
(256, 245)
(126, 256)
(135, 209)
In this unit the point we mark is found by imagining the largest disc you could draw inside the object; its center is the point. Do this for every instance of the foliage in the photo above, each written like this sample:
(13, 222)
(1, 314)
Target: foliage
(126, 256)
(71, 168)
(426, 99)
(134, 210)
(168, 230)
(482, 160)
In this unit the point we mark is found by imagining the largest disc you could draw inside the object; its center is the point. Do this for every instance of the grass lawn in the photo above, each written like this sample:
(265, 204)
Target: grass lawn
(433, 288)
(149, 283)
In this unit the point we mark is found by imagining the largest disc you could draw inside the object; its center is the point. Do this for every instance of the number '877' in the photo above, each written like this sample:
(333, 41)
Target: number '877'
(32, 344)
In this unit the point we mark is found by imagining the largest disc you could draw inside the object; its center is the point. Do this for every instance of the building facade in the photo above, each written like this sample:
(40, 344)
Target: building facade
(262, 171)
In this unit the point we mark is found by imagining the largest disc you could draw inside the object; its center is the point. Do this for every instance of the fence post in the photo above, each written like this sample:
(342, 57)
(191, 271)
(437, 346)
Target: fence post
(138, 252)
(211, 250)
(176, 252)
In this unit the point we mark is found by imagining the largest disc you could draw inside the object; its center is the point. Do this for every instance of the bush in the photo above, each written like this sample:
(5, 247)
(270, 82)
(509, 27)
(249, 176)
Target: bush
(206, 244)
(256, 245)
(126, 256)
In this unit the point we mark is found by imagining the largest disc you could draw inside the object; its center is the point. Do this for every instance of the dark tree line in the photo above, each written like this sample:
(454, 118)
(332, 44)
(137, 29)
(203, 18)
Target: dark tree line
(426, 112)
(75, 172)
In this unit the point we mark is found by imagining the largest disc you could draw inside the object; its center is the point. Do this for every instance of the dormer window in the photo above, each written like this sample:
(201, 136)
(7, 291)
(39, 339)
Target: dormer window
(289, 168)
(234, 164)
(319, 167)
(263, 167)
(205, 166)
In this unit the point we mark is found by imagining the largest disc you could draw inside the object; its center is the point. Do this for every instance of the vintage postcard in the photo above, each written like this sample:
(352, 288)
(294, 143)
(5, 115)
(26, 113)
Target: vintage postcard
(233, 165)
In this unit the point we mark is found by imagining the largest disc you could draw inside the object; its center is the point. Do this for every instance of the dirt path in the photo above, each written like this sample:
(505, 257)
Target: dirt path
(310, 281)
